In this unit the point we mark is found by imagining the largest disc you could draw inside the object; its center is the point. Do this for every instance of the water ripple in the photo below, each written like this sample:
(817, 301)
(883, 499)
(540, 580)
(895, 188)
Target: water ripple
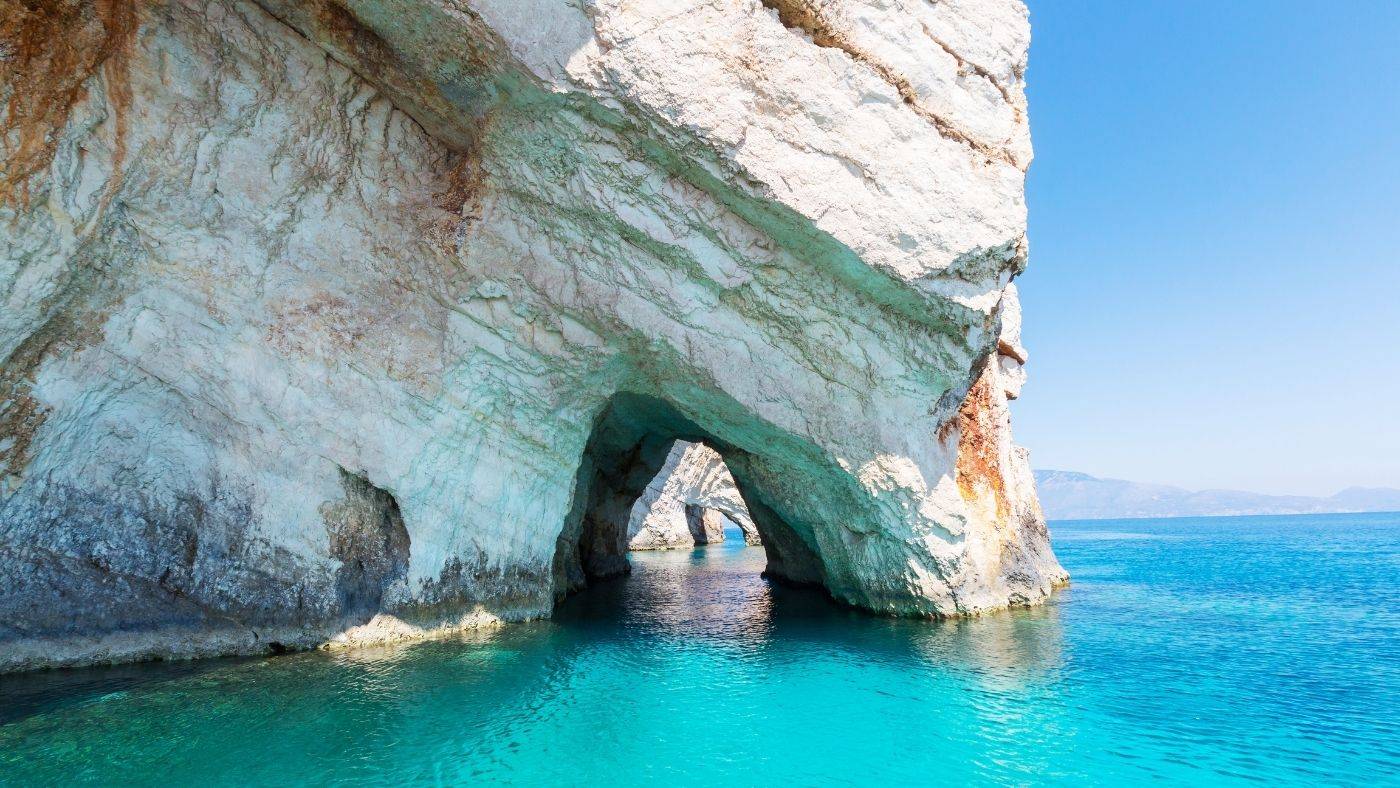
(1220, 651)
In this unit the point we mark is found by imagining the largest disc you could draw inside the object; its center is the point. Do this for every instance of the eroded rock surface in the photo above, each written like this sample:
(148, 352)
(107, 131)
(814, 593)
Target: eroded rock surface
(683, 504)
(359, 319)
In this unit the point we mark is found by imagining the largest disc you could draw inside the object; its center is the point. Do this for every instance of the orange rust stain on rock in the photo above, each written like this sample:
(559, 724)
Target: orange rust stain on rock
(357, 39)
(979, 460)
(458, 199)
(21, 415)
(462, 184)
(20, 418)
(49, 50)
(460, 188)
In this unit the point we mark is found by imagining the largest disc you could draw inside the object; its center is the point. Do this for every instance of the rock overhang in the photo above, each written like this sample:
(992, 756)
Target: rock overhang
(699, 205)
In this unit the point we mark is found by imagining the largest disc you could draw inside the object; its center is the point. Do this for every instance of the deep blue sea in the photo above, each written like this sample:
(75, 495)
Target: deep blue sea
(1187, 651)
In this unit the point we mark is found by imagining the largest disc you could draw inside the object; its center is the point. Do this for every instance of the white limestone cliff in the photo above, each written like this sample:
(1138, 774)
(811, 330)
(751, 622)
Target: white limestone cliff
(683, 504)
(338, 321)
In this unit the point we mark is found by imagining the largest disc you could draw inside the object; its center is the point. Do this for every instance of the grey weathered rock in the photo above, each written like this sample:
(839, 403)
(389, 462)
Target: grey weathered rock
(360, 319)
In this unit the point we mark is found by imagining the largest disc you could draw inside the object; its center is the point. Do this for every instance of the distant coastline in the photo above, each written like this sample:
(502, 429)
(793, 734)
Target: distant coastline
(1070, 495)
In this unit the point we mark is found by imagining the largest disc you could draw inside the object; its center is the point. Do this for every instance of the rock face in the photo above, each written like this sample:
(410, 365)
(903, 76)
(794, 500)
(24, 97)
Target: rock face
(706, 525)
(686, 502)
(348, 320)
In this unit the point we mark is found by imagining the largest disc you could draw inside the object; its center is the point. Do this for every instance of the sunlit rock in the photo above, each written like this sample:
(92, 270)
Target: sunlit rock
(684, 504)
(377, 316)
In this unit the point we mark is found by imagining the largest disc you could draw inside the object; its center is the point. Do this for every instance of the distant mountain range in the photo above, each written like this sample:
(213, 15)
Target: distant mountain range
(1067, 495)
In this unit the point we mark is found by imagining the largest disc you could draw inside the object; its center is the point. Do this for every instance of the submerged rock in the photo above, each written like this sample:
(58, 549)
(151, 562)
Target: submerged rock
(684, 505)
(364, 319)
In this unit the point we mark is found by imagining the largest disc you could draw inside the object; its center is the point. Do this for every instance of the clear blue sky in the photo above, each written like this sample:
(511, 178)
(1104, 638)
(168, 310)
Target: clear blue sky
(1213, 297)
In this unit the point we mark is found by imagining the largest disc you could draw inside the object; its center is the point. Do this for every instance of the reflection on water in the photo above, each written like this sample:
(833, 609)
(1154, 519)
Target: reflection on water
(715, 597)
(710, 593)
(1182, 658)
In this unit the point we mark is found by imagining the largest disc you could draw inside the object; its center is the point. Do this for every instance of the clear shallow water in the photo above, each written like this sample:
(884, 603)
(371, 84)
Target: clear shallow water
(1202, 651)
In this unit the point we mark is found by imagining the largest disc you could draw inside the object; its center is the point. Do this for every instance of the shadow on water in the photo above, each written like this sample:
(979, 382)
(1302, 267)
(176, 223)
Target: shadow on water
(718, 593)
(26, 694)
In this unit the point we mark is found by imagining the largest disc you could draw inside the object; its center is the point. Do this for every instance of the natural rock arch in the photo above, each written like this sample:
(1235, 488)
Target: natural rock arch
(288, 290)
(706, 526)
(628, 448)
(684, 504)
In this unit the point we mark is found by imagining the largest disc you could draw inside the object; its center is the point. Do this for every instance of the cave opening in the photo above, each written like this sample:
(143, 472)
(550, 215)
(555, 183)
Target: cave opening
(692, 501)
(735, 531)
(368, 536)
(706, 526)
(634, 450)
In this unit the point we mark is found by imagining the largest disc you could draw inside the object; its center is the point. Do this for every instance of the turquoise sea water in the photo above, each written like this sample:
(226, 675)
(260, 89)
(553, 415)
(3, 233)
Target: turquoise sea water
(1188, 651)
